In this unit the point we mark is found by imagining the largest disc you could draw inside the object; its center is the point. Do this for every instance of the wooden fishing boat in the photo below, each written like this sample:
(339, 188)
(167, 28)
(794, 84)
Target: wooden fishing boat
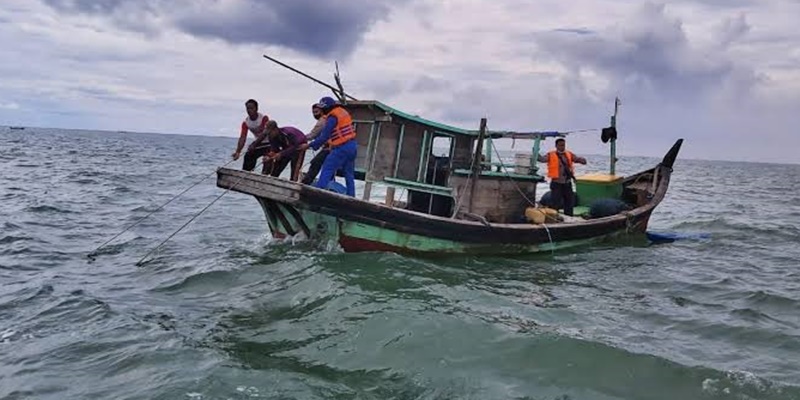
(460, 203)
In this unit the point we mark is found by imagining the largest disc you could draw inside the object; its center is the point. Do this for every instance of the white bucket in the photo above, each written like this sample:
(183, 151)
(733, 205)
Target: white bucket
(522, 163)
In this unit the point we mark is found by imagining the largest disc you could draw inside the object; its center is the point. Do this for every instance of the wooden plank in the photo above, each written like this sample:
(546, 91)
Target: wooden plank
(411, 152)
(389, 200)
(422, 167)
(399, 149)
(259, 189)
(273, 208)
(299, 218)
(367, 191)
(257, 177)
(476, 163)
(385, 149)
(425, 225)
(418, 186)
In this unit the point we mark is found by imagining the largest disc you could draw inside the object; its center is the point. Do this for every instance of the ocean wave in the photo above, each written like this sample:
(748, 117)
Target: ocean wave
(13, 239)
(46, 209)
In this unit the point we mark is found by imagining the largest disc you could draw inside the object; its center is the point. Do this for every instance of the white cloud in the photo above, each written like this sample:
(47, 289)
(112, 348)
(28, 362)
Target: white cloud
(717, 73)
(9, 106)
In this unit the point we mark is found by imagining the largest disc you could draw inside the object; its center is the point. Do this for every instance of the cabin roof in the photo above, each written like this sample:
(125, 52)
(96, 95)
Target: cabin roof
(416, 118)
(456, 130)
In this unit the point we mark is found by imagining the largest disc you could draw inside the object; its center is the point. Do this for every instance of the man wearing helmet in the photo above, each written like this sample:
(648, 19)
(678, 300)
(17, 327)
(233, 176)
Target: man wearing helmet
(340, 135)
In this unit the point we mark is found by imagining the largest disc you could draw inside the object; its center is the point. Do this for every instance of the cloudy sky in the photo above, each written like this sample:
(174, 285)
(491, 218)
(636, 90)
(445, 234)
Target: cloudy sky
(723, 74)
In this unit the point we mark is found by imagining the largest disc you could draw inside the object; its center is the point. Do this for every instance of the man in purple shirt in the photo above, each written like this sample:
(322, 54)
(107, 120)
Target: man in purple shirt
(285, 142)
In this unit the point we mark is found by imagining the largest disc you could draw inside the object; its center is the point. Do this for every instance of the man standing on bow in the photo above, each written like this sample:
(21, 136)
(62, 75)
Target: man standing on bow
(561, 171)
(319, 158)
(285, 145)
(340, 135)
(256, 123)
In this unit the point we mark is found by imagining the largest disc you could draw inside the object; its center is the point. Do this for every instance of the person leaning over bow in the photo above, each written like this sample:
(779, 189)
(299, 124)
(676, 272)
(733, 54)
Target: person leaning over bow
(561, 171)
(285, 146)
(256, 123)
(319, 158)
(340, 135)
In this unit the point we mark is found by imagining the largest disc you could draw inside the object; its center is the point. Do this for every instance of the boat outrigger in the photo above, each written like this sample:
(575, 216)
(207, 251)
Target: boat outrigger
(460, 203)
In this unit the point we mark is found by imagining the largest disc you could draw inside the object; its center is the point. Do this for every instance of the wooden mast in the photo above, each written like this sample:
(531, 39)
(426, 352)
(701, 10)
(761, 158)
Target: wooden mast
(476, 163)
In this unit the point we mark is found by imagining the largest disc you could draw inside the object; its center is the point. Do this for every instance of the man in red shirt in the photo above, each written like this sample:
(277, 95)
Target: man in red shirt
(256, 123)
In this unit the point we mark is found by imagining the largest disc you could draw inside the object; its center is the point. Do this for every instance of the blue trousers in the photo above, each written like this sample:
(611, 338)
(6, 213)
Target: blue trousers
(342, 157)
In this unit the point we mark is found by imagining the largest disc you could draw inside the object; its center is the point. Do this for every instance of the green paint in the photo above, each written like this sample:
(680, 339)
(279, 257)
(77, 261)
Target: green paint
(329, 228)
(422, 244)
(534, 178)
(590, 191)
(419, 186)
(401, 240)
(423, 121)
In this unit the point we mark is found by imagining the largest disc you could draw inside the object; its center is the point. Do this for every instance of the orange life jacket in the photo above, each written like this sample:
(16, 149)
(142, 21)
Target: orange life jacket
(553, 164)
(344, 130)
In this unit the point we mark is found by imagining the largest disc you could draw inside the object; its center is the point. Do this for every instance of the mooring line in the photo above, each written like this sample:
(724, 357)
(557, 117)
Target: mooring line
(92, 254)
(141, 261)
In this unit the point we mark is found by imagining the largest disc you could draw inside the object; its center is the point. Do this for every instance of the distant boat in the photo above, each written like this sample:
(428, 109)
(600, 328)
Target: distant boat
(16, 128)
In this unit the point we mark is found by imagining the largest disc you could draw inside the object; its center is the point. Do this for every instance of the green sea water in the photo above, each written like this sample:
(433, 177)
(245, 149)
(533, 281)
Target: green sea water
(224, 312)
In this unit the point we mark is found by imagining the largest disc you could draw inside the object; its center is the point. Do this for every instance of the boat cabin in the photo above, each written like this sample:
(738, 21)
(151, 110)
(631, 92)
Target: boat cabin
(448, 171)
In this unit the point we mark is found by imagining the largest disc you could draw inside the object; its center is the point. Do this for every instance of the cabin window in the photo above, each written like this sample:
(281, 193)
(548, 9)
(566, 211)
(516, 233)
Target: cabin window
(442, 146)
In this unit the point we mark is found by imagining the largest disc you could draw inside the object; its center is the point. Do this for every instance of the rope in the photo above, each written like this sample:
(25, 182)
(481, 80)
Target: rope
(141, 261)
(92, 254)
(552, 246)
(533, 203)
(461, 195)
(557, 134)
(583, 130)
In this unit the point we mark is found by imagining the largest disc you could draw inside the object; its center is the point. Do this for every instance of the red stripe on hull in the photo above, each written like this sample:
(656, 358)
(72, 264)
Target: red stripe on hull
(354, 245)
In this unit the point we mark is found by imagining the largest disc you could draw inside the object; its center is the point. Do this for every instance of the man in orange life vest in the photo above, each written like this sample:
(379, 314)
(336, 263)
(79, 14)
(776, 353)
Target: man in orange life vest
(561, 171)
(340, 135)
(256, 123)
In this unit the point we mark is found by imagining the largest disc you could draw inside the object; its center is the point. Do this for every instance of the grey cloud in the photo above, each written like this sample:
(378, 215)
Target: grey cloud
(319, 28)
(733, 29)
(652, 53)
(577, 31)
(724, 3)
(427, 83)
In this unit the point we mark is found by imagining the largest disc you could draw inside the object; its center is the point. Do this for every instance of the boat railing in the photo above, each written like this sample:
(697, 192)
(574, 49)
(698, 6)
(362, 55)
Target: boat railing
(419, 186)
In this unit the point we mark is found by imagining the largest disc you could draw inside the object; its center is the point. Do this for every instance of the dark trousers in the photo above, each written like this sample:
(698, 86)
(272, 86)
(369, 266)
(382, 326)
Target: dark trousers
(316, 165)
(277, 167)
(563, 195)
(251, 157)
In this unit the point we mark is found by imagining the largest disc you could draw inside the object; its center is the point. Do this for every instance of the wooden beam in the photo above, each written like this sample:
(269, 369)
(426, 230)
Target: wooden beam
(476, 163)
